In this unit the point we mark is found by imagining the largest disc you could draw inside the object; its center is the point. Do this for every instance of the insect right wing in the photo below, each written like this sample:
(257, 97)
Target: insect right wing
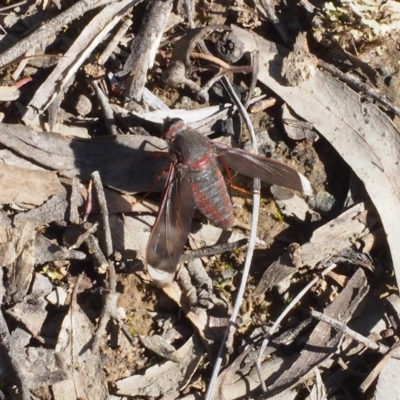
(171, 228)
(269, 171)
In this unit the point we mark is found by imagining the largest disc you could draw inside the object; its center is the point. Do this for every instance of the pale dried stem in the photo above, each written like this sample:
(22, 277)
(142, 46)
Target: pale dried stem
(250, 250)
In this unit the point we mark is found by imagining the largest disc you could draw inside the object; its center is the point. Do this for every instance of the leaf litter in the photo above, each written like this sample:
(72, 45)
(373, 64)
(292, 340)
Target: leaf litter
(75, 286)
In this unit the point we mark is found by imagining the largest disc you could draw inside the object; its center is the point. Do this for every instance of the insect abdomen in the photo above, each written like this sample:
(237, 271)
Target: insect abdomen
(211, 196)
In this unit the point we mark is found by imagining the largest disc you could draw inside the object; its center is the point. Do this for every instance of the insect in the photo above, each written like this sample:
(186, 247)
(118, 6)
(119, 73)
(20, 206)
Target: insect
(195, 180)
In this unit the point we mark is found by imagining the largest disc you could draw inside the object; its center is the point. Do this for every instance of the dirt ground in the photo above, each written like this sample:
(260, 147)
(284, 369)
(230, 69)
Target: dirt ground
(72, 268)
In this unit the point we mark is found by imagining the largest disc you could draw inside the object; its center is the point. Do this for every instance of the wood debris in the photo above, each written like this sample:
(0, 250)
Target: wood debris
(86, 91)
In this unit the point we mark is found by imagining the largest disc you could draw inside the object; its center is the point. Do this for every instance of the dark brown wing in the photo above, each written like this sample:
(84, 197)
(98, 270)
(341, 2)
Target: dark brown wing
(256, 166)
(171, 229)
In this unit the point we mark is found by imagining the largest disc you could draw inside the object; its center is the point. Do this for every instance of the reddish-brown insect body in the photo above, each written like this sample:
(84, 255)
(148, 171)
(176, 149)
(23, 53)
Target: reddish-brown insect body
(195, 159)
(195, 179)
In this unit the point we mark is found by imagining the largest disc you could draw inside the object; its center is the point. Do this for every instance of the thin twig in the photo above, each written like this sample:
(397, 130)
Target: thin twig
(377, 370)
(280, 319)
(342, 327)
(111, 297)
(212, 250)
(245, 69)
(250, 251)
(49, 29)
(10, 7)
(105, 55)
(98, 187)
(268, 6)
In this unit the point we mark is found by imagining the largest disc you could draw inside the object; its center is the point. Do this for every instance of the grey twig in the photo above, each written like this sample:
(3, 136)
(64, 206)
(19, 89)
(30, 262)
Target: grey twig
(105, 55)
(144, 47)
(212, 250)
(341, 327)
(98, 186)
(280, 28)
(50, 28)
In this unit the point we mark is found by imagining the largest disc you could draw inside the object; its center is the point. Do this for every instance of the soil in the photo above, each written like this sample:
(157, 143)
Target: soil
(148, 309)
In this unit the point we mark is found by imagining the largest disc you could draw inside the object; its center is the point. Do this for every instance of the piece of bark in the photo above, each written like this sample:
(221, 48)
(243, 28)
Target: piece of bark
(167, 377)
(144, 47)
(289, 203)
(22, 186)
(14, 159)
(76, 201)
(41, 286)
(9, 93)
(18, 255)
(52, 210)
(126, 163)
(40, 367)
(275, 273)
(30, 312)
(329, 239)
(295, 128)
(332, 237)
(205, 120)
(158, 345)
(8, 352)
(388, 385)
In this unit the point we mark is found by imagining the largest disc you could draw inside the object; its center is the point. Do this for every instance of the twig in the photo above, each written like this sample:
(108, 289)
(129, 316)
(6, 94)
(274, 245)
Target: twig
(105, 105)
(98, 186)
(245, 69)
(340, 326)
(189, 5)
(105, 55)
(268, 6)
(211, 250)
(250, 251)
(89, 38)
(49, 29)
(144, 47)
(280, 319)
(377, 370)
(111, 298)
(10, 7)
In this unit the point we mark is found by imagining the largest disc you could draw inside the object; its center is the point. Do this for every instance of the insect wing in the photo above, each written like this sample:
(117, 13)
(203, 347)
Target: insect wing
(256, 166)
(171, 228)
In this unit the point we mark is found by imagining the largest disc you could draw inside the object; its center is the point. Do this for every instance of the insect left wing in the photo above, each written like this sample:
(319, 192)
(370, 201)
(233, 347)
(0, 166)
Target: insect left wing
(256, 166)
(171, 229)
